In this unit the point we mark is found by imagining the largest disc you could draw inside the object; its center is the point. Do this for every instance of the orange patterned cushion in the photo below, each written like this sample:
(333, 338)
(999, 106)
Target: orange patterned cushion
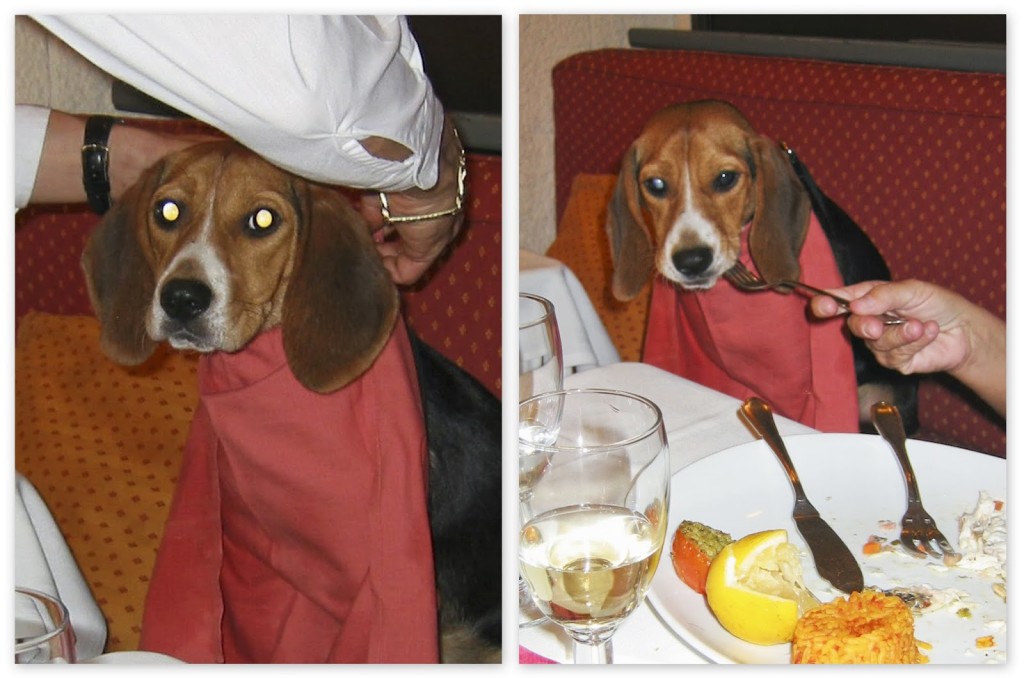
(583, 246)
(102, 444)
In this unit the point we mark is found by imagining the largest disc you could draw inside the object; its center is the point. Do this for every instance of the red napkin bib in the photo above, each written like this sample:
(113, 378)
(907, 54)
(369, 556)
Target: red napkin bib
(298, 530)
(762, 344)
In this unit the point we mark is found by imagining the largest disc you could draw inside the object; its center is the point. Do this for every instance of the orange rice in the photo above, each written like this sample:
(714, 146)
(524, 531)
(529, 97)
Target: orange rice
(867, 628)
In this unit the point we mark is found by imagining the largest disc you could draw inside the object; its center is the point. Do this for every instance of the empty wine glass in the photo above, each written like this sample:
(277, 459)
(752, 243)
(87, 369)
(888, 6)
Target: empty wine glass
(540, 370)
(42, 629)
(592, 533)
(540, 347)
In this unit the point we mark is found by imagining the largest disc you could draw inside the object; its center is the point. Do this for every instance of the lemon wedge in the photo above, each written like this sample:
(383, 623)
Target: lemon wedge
(755, 587)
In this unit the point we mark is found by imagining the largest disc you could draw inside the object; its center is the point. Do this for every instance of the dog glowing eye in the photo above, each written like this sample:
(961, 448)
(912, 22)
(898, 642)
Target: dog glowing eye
(724, 181)
(263, 220)
(655, 186)
(167, 213)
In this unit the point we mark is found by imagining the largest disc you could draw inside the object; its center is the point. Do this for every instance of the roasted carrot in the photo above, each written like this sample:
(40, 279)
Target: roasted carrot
(871, 548)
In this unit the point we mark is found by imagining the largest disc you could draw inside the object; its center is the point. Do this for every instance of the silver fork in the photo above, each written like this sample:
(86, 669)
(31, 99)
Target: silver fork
(745, 279)
(919, 535)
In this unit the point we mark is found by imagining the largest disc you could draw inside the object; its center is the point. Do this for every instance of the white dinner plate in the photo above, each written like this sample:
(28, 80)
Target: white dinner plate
(855, 482)
(133, 657)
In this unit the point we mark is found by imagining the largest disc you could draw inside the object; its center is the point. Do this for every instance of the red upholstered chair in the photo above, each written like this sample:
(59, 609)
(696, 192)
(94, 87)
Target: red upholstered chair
(916, 156)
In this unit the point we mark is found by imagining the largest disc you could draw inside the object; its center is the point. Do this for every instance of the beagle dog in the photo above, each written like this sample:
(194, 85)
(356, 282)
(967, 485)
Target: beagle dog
(695, 182)
(214, 246)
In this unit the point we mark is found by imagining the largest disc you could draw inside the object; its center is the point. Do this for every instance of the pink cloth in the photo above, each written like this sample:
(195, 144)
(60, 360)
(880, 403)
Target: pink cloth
(298, 531)
(762, 344)
(528, 657)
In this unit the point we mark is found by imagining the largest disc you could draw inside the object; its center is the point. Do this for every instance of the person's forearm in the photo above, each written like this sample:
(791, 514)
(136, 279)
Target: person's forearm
(132, 151)
(984, 372)
(59, 177)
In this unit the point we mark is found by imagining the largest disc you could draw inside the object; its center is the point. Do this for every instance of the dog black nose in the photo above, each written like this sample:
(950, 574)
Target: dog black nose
(692, 261)
(185, 299)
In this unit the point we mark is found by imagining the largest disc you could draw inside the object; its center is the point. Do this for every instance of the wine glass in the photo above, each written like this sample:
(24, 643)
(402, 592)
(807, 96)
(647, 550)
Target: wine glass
(42, 629)
(540, 370)
(540, 347)
(594, 524)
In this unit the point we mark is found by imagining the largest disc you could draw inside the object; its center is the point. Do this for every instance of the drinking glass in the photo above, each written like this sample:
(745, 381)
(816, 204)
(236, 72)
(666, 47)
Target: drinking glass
(42, 629)
(540, 370)
(540, 347)
(594, 524)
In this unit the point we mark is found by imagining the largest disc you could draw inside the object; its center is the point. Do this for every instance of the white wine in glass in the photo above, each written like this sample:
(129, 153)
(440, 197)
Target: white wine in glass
(597, 562)
(592, 536)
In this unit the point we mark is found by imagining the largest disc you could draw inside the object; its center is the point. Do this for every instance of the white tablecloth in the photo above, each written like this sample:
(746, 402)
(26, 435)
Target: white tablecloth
(585, 341)
(43, 561)
(699, 422)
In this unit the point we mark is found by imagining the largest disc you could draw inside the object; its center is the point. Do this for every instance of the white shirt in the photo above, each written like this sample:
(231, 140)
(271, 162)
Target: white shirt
(29, 133)
(299, 90)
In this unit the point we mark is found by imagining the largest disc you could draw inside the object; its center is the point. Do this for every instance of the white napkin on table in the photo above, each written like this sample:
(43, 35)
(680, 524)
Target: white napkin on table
(43, 561)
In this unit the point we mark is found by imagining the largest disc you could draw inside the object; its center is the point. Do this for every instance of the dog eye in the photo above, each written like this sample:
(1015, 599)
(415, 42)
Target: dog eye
(656, 186)
(724, 181)
(262, 221)
(167, 213)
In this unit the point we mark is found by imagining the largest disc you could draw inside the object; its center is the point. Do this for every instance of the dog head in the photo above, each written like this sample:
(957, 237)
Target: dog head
(214, 245)
(689, 184)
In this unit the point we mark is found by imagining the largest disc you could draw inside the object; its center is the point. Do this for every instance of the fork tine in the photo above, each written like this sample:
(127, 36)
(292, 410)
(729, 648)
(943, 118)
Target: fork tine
(744, 273)
(945, 546)
(934, 535)
(926, 544)
(949, 554)
(742, 276)
(911, 546)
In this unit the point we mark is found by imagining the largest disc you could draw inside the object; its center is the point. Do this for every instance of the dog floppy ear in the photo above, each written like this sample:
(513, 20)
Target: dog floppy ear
(119, 278)
(632, 249)
(781, 211)
(341, 305)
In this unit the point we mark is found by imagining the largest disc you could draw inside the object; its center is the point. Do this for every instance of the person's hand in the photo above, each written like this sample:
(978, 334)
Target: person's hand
(943, 332)
(409, 249)
(934, 338)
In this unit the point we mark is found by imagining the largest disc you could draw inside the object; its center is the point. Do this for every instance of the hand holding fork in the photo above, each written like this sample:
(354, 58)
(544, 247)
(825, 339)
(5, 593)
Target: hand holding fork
(745, 279)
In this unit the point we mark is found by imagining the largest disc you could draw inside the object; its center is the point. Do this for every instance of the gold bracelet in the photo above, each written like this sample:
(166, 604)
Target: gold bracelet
(460, 196)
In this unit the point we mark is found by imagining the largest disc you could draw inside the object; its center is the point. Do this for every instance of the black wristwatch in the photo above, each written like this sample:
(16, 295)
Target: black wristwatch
(96, 162)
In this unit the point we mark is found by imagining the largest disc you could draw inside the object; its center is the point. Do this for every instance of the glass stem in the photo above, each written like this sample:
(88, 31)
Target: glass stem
(592, 653)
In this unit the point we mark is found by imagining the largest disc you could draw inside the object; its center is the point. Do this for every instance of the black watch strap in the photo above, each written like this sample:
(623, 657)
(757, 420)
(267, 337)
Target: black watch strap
(96, 162)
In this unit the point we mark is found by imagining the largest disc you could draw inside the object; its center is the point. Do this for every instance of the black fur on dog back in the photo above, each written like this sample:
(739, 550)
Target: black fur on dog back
(463, 421)
(858, 259)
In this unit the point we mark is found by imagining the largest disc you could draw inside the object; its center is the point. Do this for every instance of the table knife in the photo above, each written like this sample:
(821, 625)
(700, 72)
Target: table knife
(832, 558)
